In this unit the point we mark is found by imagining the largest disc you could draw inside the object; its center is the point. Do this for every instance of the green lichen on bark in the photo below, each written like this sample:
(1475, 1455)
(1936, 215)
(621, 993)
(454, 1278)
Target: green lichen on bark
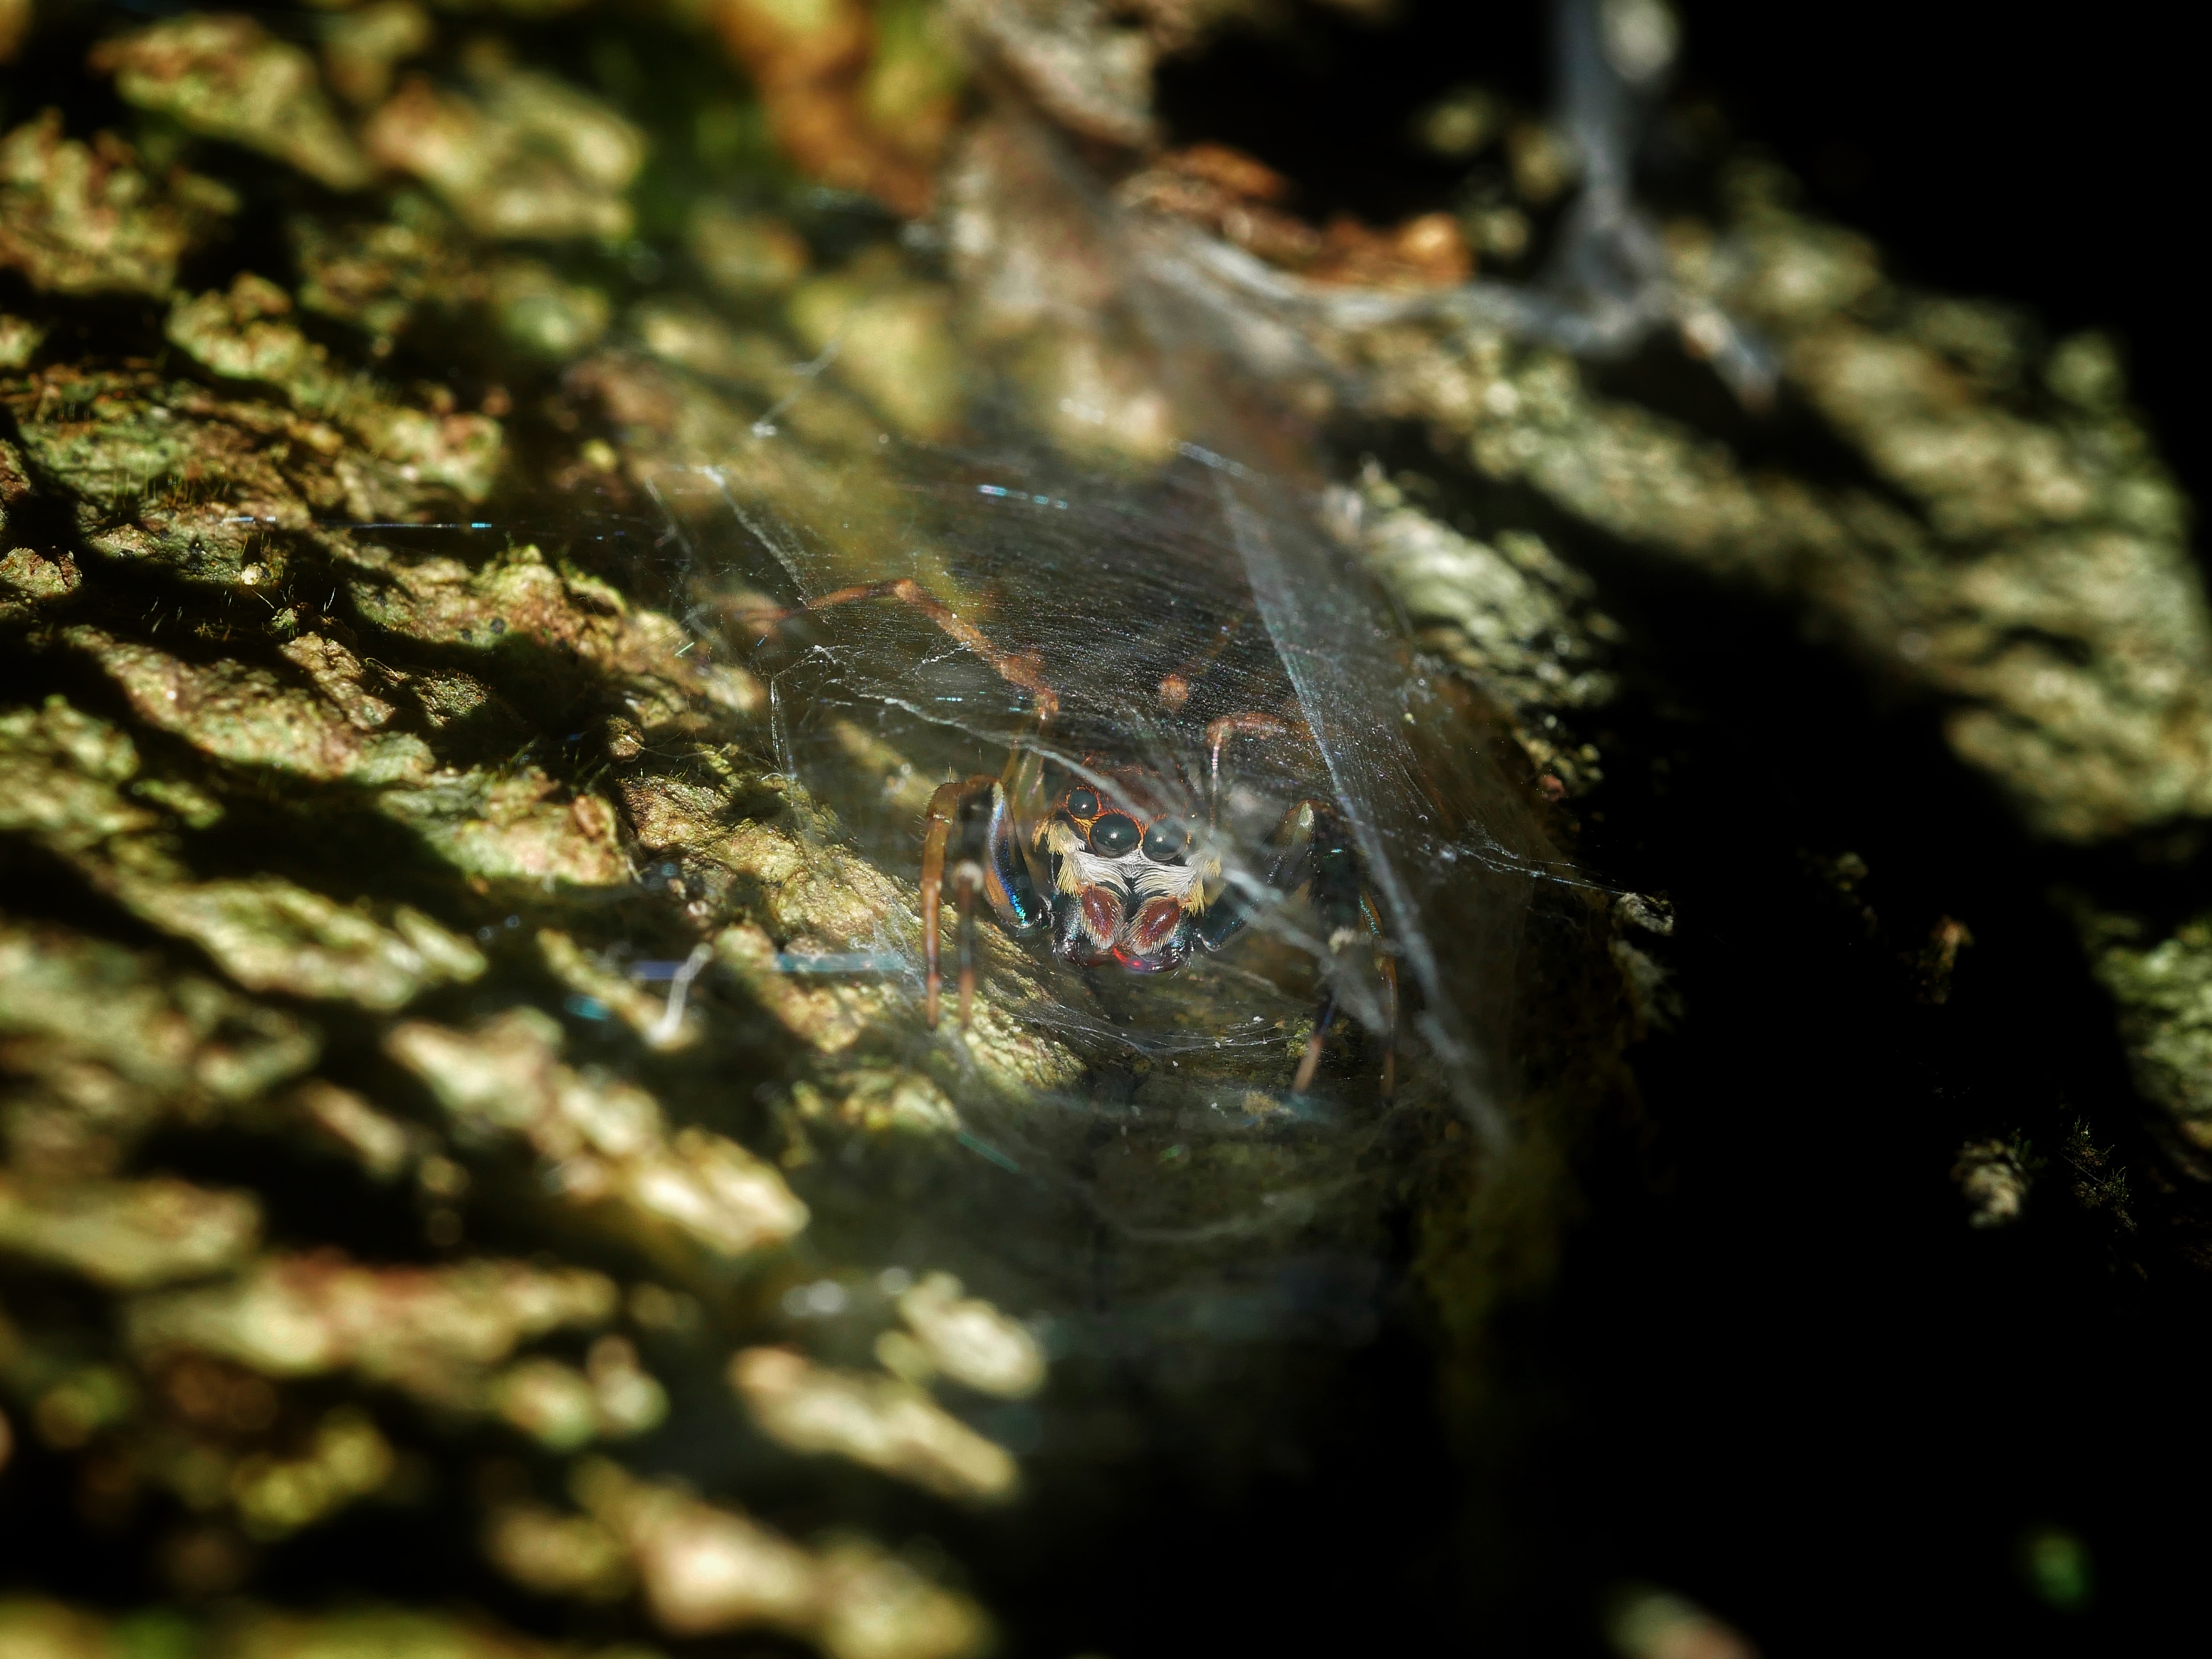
(79, 218)
(249, 673)
(2163, 991)
(413, 824)
(2014, 549)
(227, 77)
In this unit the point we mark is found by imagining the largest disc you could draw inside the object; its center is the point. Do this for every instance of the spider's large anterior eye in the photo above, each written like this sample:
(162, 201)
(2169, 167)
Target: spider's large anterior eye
(1113, 835)
(1082, 804)
(1166, 842)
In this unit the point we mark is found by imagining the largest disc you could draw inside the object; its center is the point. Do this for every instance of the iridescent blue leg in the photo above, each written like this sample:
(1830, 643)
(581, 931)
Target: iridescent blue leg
(972, 822)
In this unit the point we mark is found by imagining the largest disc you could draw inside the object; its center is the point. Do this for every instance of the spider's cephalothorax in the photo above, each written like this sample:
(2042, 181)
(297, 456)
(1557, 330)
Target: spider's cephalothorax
(1121, 864)
(1128, 884)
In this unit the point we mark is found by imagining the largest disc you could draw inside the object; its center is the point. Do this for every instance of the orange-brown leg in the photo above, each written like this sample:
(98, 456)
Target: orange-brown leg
(944, 815)
(944, 808)
(1024, 780)
(938, 822)
(1309, 1061)
(1016, 667)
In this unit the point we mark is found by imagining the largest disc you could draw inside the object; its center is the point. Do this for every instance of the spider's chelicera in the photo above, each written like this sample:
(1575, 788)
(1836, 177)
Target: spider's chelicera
(1121, 864)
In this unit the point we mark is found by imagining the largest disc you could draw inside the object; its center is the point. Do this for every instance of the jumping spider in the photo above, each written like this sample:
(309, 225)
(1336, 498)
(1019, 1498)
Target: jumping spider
(1123, 864)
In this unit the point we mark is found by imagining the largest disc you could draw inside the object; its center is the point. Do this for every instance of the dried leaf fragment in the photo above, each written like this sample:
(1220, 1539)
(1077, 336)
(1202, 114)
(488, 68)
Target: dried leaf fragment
(1234, 195)
(1240, 199)
(1427, 251)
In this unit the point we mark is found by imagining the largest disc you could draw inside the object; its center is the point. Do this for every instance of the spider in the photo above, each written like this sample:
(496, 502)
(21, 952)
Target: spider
(1122, 865)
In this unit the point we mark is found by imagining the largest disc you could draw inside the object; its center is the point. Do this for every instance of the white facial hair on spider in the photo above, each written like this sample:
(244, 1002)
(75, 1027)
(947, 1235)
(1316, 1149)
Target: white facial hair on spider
(1132, 872)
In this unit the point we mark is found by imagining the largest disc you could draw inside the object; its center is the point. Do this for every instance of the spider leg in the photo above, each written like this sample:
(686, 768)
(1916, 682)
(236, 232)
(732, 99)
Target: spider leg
(993, 854)
(1017, 668)
(944, 810)
(965, 881)
(947, 811)
(1387, 966)
(972, 822)
(1321, 859)
(1175, 685)
(1253, 723)
(1228, 909)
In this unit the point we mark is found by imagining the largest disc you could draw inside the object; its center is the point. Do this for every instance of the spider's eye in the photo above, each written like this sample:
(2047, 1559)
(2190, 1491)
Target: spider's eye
(1113, 835)
(1166, 842)
(1082, 804)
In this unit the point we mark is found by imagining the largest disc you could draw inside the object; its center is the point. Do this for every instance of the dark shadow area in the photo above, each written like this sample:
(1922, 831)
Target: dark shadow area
(1804, 1390)
(1810, 1394)
(1990, 153)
